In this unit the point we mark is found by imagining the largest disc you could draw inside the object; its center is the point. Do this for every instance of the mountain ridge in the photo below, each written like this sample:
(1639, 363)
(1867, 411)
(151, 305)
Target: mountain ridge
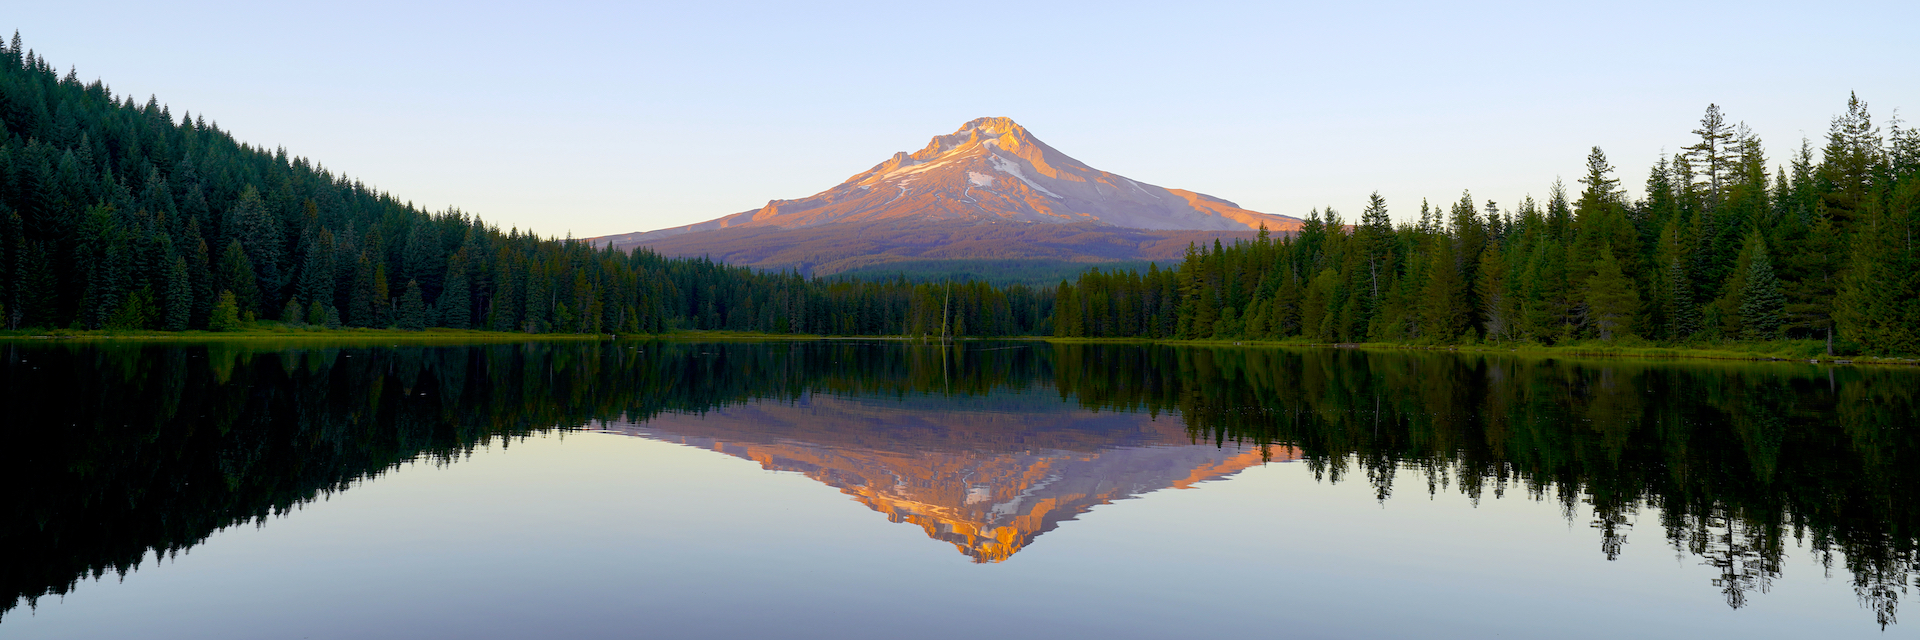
(990, 171)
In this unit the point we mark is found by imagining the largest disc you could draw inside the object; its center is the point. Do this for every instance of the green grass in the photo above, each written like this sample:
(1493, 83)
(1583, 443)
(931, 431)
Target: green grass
(264, 331)
(277, 331)
(1787, 350)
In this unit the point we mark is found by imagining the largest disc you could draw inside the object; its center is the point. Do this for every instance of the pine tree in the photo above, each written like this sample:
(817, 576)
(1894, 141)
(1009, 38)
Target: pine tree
(1496, 307)
(237, 277)
(413, 308)
(1373, 238)
(1679, 313)
(1848, 163)
(1445, 312)
(1470, 238)
(422, 259)
(456, 305)
(1810, 276)
(1877, 305)
(316, 267)
(382, 296)
(226, 313)
(1610, 299)
(102, 253)
(1762, 306)
(1714, 154)
(179, 296)
(39, 289)
(292, 314)
(258, 232)
(362, 302)
(199, 275)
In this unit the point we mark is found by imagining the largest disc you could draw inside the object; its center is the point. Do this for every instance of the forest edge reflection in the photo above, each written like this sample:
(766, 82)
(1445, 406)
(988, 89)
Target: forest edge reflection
(125, 449)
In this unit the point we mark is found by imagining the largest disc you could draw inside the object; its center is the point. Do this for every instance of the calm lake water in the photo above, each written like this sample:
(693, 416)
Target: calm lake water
(881, 490)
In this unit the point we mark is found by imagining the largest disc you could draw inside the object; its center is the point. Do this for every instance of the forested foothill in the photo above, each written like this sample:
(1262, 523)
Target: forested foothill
(1724, 246)
(119, 215)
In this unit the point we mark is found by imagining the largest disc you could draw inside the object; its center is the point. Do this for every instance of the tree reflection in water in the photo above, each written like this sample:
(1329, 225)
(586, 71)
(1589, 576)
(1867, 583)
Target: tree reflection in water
(118, 450)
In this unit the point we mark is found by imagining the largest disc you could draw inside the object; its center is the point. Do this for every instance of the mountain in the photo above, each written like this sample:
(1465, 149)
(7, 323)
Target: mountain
(988, 480)
(989, 190)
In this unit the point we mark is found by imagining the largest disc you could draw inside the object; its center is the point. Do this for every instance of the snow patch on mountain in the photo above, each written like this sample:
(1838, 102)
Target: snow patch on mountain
(1012, 168)
(979, 179)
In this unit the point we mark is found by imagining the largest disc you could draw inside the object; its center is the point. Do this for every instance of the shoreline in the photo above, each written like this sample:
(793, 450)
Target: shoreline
(1730, 352)
(1764, 352)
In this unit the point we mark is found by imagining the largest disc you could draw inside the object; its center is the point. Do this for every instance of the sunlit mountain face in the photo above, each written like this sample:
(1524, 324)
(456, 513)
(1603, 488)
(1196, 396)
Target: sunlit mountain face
(989, 190)
(988, 476)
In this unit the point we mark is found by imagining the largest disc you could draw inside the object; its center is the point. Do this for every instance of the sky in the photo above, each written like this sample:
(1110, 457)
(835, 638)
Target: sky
(601, 118)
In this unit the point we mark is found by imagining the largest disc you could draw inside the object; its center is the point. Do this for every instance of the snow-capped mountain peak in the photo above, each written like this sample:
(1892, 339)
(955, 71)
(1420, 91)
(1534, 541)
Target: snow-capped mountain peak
(994, 170)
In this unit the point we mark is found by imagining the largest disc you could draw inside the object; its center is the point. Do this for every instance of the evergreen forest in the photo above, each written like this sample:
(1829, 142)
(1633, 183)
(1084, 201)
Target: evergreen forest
(1724, 246)
(121, 215)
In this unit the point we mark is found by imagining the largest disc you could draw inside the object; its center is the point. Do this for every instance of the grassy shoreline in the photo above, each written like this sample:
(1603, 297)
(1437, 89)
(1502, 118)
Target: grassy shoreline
(1804, 351)
(275, 331)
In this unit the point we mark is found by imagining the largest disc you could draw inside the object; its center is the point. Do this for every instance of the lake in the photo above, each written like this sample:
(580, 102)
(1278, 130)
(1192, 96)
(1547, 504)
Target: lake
(846, 489)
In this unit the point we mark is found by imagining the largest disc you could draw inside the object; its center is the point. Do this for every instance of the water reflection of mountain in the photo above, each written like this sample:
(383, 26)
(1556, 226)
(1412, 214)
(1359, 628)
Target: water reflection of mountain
(983, 478)
(120, 450)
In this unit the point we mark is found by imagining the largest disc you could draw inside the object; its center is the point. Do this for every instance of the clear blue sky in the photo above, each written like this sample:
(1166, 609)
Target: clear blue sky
(600, 118)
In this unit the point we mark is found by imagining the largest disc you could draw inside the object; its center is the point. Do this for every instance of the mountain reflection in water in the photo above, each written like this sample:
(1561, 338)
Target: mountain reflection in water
(119, 450)
(988, 475)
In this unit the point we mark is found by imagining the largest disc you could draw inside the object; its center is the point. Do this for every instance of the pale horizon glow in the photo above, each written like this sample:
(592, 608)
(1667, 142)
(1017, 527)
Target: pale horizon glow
(591, 120)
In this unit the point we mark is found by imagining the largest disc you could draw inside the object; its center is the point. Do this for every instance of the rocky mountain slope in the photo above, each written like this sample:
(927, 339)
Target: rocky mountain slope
(987, 190)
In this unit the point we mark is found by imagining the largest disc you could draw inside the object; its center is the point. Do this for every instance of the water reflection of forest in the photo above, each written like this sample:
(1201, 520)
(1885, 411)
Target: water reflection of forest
(118, 450)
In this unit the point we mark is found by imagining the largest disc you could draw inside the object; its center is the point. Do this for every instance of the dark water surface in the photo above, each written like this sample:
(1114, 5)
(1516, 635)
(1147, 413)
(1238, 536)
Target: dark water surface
(1024, 490)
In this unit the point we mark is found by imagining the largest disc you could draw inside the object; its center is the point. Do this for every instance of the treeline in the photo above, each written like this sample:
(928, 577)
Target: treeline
(1722, 247)
(119, 215)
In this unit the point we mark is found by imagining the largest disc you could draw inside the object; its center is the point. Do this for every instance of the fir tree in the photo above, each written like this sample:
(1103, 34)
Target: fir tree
(456, 306)
(1496, 307)
(1610, 299)
(1679, 313)
(1762, 306)
(413, 308)
(226, 313)
(258, 232)
(422, 258)
(179, 296)
(1445, 312)
(316, 267)
(292, 314)
(363, 303)
(237, 277)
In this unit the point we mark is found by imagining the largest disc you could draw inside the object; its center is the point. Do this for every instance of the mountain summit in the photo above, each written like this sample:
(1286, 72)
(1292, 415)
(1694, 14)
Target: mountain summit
(933, 203)
(992, 169)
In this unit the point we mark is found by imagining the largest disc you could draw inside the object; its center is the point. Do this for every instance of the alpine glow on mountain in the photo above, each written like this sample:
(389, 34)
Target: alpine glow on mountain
(989, 171)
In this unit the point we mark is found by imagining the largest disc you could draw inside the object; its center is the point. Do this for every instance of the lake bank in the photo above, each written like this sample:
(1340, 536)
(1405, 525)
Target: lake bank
(1809, 351)
(1805, 351)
